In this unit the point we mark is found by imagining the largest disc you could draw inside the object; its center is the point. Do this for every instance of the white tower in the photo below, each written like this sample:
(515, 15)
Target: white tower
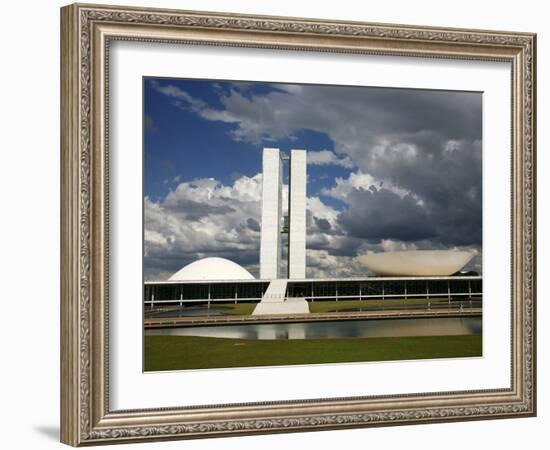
(297, 215)
(272, 193)
(272, 189)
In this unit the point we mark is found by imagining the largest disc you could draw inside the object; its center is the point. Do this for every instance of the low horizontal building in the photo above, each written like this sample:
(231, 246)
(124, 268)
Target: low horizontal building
(318, 289)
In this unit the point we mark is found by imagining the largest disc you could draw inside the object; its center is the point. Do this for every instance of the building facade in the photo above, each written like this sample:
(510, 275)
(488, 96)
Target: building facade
(206, 292)
(272, 212)
(297, 214)
(272, 225)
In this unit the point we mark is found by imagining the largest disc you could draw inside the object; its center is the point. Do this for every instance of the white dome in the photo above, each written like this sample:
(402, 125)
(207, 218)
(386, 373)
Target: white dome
(416, 262)
(212, 269)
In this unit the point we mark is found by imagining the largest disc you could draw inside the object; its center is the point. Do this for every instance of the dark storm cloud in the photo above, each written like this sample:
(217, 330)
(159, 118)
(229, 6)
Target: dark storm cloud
(253, 224)
(193, 210)
(355, 112)
(381, 214)
(168, 264)
(452, 114)
(322, 224)
(425, 142)
(165, 264)
(346, 245)
(449, 183)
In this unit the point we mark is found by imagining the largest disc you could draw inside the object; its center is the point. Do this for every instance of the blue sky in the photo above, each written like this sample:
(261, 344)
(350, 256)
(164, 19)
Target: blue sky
(388, 169)
(180, 145)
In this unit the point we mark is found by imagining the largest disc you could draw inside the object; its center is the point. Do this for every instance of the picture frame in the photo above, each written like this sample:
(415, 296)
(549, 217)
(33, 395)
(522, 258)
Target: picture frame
(87, 32)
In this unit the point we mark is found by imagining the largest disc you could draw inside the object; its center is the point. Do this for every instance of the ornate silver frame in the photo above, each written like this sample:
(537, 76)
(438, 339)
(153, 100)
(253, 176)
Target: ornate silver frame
(86, 31)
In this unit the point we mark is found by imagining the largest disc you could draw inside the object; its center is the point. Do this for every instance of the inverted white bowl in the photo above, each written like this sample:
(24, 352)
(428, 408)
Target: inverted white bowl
(416, 262)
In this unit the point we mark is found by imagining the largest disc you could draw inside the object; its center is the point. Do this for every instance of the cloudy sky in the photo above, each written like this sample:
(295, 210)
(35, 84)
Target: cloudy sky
(388, 169)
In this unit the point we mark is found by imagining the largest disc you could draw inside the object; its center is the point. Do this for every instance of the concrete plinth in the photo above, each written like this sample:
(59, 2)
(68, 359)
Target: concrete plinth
(275, 301)
(289, 306)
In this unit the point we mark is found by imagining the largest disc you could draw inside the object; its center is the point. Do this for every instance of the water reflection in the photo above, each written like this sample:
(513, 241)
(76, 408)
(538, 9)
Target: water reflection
(334, 329)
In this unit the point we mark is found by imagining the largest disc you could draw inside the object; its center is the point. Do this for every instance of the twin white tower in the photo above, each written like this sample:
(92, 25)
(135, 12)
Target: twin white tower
(273, 223)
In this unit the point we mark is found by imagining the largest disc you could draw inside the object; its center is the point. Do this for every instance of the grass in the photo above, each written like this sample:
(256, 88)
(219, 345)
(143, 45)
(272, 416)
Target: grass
(244, 309)
(190, 352)
(232, 309)
(326, 306)
(236, 309)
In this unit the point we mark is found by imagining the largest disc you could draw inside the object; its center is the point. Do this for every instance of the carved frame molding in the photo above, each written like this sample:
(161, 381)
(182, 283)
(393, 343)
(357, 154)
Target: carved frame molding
(86, 32)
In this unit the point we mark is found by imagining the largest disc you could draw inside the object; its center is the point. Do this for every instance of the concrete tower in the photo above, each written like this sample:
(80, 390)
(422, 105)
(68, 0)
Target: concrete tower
(272, 225)
(297, 215)
(272, 194)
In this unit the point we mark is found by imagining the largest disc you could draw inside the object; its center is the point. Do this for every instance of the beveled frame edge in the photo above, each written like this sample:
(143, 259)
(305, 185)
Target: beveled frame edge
(85, 33)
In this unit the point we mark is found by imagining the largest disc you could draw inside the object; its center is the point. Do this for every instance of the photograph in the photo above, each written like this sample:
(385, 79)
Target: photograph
(294, 224)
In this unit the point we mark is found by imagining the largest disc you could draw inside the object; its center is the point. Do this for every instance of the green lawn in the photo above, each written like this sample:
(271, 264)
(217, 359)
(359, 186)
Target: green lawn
(245, 309)
(190, 352)
(326, 306)
(236, 309)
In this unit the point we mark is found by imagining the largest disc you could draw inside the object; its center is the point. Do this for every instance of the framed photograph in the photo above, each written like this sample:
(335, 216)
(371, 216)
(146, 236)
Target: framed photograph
(276, 224)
